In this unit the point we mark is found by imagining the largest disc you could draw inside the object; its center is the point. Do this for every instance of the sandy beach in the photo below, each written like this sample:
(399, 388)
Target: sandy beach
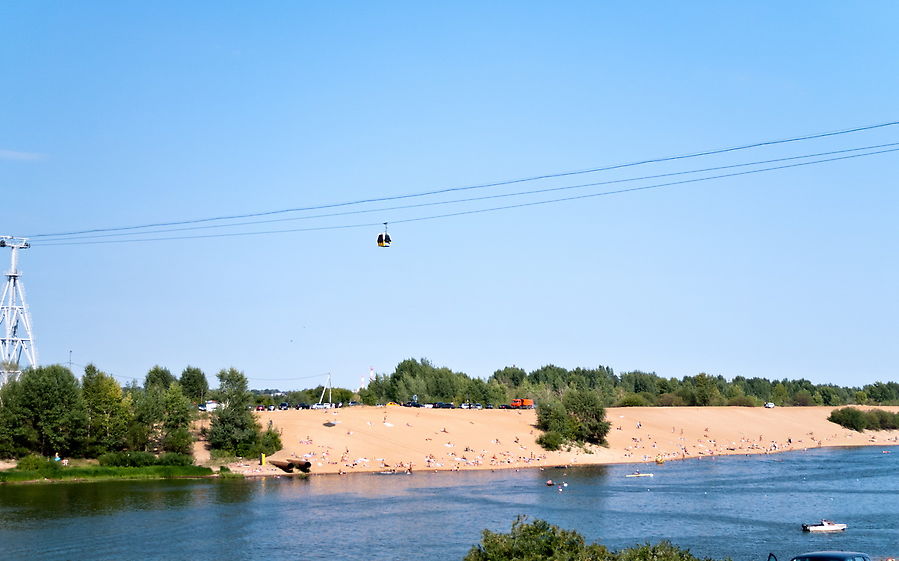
(372, 439)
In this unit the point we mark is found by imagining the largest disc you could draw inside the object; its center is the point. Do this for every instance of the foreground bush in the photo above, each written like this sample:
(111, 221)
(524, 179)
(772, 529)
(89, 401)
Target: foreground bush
(535, 541)
(541, 541)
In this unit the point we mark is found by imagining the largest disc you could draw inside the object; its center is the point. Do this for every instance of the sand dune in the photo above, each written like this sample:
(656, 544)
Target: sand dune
(366, 439)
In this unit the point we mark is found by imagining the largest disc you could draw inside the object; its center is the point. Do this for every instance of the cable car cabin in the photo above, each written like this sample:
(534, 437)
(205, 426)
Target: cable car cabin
(384, 240)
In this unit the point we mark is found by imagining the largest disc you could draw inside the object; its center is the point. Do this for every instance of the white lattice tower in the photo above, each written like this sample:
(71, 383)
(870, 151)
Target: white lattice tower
(16, 337)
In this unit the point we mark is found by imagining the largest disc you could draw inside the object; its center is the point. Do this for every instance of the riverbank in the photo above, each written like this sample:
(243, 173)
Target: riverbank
(374, 439)
(103, 473)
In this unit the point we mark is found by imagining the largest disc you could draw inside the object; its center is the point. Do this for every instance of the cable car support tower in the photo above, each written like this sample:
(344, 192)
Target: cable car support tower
(16, 337)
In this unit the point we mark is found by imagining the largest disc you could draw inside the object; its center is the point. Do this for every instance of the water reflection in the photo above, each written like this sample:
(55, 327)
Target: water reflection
(740, 507)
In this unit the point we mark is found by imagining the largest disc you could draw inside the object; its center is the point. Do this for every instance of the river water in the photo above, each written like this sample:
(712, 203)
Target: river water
(737, 507)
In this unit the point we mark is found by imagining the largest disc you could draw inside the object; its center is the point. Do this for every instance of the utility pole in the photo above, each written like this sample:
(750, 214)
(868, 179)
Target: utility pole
(16, 337)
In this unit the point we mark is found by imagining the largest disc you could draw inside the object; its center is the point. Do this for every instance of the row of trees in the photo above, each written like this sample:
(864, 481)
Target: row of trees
(49, 410)
(419, 377)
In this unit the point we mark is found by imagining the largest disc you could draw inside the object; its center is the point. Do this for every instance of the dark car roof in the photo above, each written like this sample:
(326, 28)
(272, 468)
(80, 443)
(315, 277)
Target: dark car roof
(831, 555)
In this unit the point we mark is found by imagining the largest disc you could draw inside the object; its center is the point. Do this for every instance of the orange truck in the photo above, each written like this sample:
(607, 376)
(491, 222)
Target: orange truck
(519, 403)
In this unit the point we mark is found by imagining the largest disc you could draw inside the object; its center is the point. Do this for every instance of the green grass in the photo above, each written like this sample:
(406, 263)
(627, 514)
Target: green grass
(103, 472)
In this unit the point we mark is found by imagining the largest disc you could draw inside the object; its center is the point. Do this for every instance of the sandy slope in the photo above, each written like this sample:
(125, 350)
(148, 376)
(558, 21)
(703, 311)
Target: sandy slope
(377, 438)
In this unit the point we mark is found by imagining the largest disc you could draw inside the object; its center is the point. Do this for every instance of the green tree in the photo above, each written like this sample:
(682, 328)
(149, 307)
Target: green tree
(579, 417)
(194, 384)
(108, 412)
(16, 436)
(145, 430)
(779, 394)
(510, 376)
(706, 390)
(589, 416)
(48, 405)
(234, 427)
(176, 417)
(158, 376)
(803, 398)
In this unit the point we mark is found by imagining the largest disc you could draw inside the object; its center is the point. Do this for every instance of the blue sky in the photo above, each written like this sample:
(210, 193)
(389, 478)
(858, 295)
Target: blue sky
(140, 113)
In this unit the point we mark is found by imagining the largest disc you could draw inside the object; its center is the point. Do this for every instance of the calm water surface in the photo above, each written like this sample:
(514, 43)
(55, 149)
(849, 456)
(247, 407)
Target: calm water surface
(738, 507)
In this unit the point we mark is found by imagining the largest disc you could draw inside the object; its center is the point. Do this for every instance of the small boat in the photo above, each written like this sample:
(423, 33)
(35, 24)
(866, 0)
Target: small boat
(549, 483)
(824, 526)
(638, 474)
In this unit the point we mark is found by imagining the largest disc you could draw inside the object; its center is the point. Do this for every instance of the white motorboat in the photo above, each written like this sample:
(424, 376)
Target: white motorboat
(824, 526)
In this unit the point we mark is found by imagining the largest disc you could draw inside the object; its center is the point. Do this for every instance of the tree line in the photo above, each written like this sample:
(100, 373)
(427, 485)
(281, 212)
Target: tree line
(635, 388)
(48, 410)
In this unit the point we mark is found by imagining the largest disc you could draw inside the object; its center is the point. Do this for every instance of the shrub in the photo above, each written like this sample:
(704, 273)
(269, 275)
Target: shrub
(144, 459)
(849, 417)
(31, 463)
(670, 400)
(632, 400)
(551, 440)
(127, 459)
(856, 419)
(743, 401)
(174, 459)
(178, 441)
(883, 420)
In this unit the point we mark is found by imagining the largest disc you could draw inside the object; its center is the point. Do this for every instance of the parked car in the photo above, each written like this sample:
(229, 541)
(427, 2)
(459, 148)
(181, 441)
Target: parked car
(284, 406)
(827, 556)
(769, 405)
(302, 406)
(260, 408)
(271, 407)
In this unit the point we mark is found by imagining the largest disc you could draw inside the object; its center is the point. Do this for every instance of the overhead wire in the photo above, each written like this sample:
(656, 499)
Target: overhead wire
(478, 186)
(472, 199)
(482, 210)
